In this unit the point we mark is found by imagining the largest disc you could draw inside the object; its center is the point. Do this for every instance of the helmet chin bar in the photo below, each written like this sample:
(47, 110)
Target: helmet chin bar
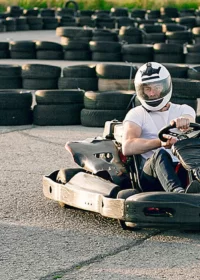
(164, 102)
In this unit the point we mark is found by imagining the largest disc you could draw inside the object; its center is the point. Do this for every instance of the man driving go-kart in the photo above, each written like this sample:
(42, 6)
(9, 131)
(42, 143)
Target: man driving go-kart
(145, 172)
(153, 85)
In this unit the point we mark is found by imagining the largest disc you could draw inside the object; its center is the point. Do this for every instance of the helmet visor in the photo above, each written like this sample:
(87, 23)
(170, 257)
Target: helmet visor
(154, 92)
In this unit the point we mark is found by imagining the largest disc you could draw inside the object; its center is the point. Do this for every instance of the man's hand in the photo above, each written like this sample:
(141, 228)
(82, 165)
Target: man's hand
(182, 123)
(170, 141)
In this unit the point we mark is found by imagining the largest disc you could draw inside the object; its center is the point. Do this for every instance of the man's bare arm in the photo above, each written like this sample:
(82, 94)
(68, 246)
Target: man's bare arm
(132, 144)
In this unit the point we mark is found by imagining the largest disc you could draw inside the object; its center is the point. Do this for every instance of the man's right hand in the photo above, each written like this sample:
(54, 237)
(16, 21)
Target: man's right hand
(170, 141)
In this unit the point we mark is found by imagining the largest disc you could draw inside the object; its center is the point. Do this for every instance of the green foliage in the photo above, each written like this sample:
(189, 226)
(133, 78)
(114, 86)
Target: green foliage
(103, 4)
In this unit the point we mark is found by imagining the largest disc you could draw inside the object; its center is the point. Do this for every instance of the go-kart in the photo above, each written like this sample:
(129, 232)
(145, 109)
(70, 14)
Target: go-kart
(108, 183)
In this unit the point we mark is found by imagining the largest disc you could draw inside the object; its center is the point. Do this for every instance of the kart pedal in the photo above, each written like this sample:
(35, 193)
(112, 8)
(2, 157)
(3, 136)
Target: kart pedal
(194, 187)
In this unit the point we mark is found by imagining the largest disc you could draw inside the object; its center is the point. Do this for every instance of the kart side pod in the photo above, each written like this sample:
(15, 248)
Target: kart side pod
(86, 191)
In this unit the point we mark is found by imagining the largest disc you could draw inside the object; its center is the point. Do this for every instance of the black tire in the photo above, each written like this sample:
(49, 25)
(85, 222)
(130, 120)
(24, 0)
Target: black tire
(168, 48)
(22, 55)
(65, 40)
(113, 71)
(191, 102)
(193, 48)
(77, 55)
(186, 88)
(57, 114)
(74, 45)
(106, 56)
(179, 35)
(194, 73)
(130, 39)
(37, 83)
(177, 71)
(15, 99)
(65, 175)
(38, 26)
(50, 26)
(4, 46)
(22, 46)
(130, 31)
(73, 32)
(108, 100)
(4, 54)
(75, 4)
(124, 21)
(7, 70)
(151, 28)
(40, 71)
(50, 20)
(82, 71)
(16, 117)
(169, 58)
(85, 21)
(141, 58)
(34, 20)
(46, 45)
(192, 58)
(153, 38)
(49, 55)
(109, 39)
(97, 118)
(105, 46)
(10, 82)
(59, 97)
(171, 26)
(78, 83)
(141, 49)
(22, 27)
(124, 194)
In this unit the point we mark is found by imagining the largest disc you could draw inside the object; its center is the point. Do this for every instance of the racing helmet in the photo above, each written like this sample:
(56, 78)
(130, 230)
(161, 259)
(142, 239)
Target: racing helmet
(153, 85)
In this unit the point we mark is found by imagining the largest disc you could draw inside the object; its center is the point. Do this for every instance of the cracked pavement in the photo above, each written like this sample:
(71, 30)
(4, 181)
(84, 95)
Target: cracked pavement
(40, 240)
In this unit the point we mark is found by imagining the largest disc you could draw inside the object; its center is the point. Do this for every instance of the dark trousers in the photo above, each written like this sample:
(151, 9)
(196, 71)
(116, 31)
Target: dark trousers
(159, 174)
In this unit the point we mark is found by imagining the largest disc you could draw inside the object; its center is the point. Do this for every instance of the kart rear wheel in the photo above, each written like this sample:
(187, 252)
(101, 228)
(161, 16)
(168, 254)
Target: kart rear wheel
(124, 194)
(128, 226)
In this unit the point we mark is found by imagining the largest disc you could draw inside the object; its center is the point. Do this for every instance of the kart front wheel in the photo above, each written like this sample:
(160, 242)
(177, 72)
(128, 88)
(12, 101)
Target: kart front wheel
(64, 176)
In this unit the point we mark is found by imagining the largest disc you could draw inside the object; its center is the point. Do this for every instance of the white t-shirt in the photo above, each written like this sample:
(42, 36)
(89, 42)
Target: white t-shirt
(152, 122)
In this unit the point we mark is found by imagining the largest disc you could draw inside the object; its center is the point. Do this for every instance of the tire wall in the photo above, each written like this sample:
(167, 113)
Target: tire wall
(87, 94)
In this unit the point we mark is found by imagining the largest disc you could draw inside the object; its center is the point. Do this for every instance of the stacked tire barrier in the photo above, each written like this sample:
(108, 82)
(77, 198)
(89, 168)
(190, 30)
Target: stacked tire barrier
(81, 94)
(22, 50)
(48, 50)
(106, 46)
(58, 107)
(10, 76)
(40, 76)
(15, 107)
(115, 89)
(79, 77)
(102, 106)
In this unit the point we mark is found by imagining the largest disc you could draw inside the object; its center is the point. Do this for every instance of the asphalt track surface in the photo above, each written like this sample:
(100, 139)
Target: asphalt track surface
(39, 240)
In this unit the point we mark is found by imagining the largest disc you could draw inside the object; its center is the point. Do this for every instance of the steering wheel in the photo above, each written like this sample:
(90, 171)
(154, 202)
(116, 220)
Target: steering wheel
(180, 135)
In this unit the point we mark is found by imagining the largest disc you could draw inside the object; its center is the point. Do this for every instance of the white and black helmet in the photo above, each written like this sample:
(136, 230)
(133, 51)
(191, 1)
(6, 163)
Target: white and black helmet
(150, 74)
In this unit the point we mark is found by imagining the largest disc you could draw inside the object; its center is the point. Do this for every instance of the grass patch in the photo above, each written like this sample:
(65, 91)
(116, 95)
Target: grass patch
(103, 4)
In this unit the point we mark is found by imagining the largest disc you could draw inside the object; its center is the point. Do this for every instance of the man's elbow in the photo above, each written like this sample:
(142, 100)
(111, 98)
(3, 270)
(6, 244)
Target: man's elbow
(125, 150)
